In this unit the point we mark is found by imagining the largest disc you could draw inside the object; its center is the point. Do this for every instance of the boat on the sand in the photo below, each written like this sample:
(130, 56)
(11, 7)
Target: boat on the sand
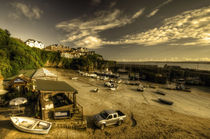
(160, 93)
(168, 102)
(140, 88)
(31, 125)
(112, 88)
(96, 90)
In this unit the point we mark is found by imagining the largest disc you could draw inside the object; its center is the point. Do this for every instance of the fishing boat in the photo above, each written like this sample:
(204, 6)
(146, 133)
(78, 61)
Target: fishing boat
(112, 88)
(140, 88)
(31, 125)
(96, 90)
(165, 101)
(160, 93)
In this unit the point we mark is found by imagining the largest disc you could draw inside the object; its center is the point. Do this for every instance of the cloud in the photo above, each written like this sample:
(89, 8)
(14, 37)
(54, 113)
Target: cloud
(14, 15)
(164, 3)
(158, 8)
(25, 10)
(137, 14)
(193, 26)
(95, 2)
(85, 33)
(190, 28)
(153, 13)
(112, 4)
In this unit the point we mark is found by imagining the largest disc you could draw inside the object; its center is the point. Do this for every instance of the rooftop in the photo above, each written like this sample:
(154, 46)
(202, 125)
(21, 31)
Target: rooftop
(49, 85)
(26, 73)
(32, 40)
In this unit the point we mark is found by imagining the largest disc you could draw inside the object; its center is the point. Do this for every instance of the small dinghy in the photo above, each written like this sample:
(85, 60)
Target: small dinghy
(165, 101)
(160, 93)
(140, 88)
(113, 89)
(74, 78)
(95, 90)
(31, 125)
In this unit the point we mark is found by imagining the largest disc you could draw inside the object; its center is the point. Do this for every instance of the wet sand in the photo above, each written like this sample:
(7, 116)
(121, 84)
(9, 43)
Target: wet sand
(188, 117)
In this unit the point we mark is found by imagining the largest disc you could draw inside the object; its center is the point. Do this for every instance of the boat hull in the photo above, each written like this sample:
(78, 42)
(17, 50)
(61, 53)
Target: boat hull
(33, 131)
(165, 101)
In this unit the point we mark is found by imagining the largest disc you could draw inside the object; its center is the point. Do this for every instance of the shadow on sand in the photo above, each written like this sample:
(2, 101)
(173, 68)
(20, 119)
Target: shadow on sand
(6, 124)
(157, 101)
(90, 123)
(135, 90)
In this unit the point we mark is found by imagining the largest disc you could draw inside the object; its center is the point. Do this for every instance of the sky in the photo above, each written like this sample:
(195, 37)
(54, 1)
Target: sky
(121, 30)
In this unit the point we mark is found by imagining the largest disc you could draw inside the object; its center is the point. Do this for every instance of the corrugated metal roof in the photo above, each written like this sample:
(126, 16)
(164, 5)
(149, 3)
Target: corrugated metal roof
(49, 85)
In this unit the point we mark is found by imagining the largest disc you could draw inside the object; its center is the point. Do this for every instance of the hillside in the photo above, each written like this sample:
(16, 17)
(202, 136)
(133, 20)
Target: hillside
(15, 56)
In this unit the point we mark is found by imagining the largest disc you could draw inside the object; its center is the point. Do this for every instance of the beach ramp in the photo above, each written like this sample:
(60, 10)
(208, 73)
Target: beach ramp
(44, 74)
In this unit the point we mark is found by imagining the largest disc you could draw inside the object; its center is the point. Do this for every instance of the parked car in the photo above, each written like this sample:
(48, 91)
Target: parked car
(109, 117)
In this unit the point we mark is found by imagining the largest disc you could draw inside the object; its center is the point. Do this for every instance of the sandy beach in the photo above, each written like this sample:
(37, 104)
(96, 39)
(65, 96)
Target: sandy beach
(188, 117)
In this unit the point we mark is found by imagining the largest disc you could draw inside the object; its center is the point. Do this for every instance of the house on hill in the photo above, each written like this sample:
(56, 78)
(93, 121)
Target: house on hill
(82, 49)
(57, 47)
(71, 54)
(34, 43)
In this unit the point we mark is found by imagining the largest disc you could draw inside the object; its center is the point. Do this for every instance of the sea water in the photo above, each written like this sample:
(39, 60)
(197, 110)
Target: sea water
(189, 65)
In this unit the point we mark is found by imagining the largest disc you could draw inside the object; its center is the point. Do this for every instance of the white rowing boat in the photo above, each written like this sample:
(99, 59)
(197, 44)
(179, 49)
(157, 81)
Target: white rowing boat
(31, 125)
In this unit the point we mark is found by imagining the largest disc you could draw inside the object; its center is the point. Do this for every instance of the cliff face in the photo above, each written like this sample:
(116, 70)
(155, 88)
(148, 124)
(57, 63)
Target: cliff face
(50, 64)
(1, 81)
(15, 55)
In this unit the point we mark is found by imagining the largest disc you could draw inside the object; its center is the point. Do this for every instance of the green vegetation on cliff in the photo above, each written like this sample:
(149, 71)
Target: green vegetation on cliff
(15, 56)
(87, 63)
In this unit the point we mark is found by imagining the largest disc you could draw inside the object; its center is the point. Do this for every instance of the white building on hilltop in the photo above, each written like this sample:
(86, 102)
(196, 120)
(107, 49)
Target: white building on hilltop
(34, 43)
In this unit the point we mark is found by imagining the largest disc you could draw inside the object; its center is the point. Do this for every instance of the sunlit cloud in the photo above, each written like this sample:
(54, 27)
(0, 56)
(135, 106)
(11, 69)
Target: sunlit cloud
(25, 10)
(157, 8)
(90, 42)
(85, 32)
(153, 13)
(137, 14)
(193, 24)
(14, 16)
(164, 3)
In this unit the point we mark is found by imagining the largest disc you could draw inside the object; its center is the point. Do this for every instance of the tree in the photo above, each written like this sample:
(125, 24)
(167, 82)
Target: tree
(7, 36)
(7, 32)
